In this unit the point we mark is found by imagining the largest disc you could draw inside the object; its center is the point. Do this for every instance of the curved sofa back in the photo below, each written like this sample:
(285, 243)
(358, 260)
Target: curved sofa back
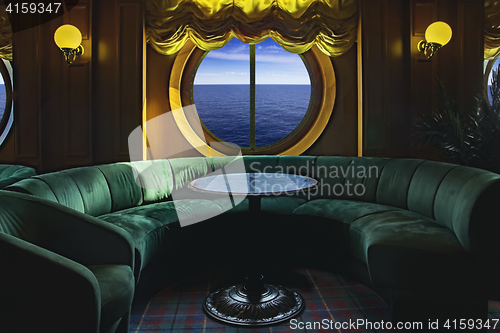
(98, 190)
(10, 174)
(458, 197)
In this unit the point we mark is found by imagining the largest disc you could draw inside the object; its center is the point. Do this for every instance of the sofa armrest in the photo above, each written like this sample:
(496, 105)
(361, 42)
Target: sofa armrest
(69, 233)
(41, 291)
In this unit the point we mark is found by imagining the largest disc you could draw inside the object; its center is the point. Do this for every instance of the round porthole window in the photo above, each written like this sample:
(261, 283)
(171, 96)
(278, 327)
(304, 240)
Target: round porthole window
(231, 113)
(490, 66)
(294, 98)
(6, 107)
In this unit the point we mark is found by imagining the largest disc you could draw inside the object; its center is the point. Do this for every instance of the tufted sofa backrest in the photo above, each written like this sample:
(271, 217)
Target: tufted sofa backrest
(457, 197)
(337, 176)
(10, 174)
(85, 189)
(102, 189)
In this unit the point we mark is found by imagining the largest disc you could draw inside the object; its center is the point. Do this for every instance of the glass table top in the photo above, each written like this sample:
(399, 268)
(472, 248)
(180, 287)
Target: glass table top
(253, 183)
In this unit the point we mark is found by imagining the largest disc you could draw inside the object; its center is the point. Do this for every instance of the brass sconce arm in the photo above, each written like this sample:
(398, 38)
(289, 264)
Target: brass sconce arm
(428, 49)
(71, 54)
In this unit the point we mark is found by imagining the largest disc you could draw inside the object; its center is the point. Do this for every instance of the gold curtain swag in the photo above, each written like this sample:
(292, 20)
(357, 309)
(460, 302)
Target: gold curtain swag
(491, 29)
(5, 35)
(295, 24)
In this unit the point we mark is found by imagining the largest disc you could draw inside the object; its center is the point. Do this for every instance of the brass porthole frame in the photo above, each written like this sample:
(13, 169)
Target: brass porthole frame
(323, 95)
(489, 67)
(6, 122)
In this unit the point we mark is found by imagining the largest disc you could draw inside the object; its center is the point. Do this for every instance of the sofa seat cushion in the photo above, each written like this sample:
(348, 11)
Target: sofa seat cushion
(149, 224)
(344, 211)
(284, 205)
(404, 249)
(323, 224)
(116, 285)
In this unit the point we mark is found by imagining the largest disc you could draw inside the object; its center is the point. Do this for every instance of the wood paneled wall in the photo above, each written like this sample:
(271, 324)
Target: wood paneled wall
(399, 84)
(386, 81)
(340, 136)
(68, 116)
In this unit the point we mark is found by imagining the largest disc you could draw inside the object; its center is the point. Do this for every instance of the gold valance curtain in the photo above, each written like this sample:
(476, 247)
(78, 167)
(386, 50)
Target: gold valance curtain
(5, 35)
(295, 24)
(491, 29)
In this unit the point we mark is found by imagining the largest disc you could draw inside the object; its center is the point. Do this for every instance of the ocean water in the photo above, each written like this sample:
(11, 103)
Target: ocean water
(225, 110)
(3, 100)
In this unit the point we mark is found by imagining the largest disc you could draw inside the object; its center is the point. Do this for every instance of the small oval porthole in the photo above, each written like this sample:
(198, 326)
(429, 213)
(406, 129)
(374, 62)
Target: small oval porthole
(6, 105)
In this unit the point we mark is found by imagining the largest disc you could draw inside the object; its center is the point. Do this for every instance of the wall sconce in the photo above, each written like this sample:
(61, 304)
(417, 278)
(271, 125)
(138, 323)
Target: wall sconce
(437, 35)
(68, 38)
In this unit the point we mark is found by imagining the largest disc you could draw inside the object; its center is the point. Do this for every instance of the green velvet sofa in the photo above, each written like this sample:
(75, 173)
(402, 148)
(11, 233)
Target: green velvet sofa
(9, 174)
(62, 270)
(421, 233)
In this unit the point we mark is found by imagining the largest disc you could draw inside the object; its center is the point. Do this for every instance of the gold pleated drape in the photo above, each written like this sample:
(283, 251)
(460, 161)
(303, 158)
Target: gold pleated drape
(296, 25)
(491, 29)
(5, 35)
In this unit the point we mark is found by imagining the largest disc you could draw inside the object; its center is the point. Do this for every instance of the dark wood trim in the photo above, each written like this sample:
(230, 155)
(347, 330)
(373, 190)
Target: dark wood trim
(129, 29)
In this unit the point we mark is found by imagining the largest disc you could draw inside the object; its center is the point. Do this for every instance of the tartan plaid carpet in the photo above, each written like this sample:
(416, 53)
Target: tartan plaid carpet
(330, 296)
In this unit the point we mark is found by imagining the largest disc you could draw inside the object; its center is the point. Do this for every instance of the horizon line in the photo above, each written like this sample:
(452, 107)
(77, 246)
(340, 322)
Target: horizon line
(257, 84)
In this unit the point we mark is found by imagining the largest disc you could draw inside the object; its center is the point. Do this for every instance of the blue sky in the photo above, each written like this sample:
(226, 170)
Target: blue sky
(495, 67)
(231, 65)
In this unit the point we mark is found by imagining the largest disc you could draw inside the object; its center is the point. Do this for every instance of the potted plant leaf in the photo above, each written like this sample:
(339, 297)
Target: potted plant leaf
(470, 137)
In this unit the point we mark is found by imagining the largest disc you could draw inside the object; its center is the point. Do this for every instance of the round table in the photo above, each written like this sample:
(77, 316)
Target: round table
(253, 303)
